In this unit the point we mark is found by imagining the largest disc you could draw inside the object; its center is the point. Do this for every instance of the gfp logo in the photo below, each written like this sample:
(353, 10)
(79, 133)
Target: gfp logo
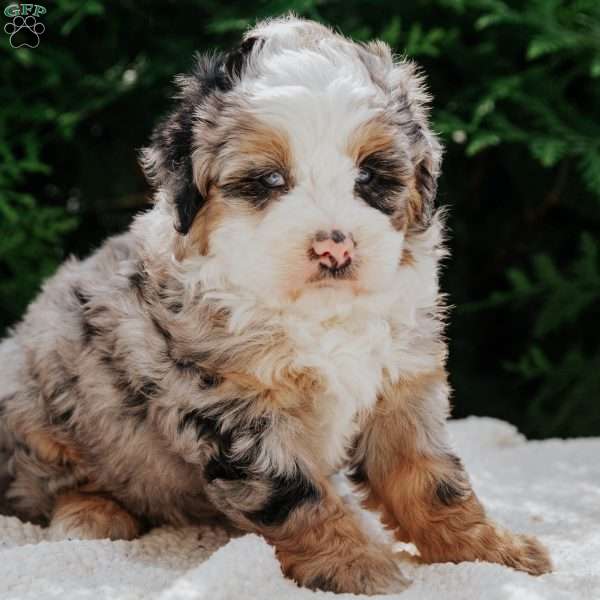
(24, 29)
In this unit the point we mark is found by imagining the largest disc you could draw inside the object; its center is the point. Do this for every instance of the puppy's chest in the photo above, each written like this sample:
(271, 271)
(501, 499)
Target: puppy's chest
(349, 360)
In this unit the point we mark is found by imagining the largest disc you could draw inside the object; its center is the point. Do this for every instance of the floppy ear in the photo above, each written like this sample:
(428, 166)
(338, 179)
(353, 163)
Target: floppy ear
(167, 162)
(411, 111)
(426, 154)
(425, 149)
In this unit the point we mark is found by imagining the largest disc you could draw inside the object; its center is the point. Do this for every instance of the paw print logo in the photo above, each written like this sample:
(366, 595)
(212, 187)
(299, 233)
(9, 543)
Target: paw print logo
(24, 31)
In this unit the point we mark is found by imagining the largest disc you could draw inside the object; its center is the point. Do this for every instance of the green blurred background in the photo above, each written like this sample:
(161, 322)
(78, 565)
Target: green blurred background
(517, 103)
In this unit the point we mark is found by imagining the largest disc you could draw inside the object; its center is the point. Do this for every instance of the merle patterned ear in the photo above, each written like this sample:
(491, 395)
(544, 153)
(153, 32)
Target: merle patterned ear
(427, 172)
(167, 162)
(409, 93)
(425, 149)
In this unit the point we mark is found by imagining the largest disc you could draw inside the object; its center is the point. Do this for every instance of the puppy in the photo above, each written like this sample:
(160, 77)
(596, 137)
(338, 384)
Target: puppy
(273, 318)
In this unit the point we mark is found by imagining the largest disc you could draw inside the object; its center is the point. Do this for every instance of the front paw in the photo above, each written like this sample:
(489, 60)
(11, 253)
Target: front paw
(372, 571)
(526, 553)
(520, 552)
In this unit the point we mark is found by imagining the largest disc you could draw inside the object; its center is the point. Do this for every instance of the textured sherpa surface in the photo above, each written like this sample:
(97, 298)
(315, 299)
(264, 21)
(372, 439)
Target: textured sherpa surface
(549, 488)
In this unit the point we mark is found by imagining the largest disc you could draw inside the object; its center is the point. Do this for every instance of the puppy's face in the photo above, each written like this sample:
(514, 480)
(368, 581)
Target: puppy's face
(311, 161)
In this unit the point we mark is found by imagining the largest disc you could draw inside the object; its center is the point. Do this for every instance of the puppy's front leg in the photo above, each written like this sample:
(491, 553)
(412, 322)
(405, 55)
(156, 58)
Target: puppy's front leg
(261, 480)
(404, 463)
(317, 539)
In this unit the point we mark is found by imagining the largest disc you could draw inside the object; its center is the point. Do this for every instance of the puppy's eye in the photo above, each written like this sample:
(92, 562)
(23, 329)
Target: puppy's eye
(273, 180)
(364, 175)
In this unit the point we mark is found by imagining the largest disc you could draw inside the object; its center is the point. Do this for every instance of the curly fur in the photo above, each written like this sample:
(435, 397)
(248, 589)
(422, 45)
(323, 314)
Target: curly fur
(197, 367)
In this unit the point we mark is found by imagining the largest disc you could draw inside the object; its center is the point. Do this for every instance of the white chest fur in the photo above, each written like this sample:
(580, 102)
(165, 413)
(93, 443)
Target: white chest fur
(350, 341)
(350, 356)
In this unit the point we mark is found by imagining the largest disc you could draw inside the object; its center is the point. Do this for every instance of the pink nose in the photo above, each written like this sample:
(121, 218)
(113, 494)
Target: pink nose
(333, 250)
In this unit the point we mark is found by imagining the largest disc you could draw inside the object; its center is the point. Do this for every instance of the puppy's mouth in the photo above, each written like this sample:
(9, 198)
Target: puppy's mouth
(343, 273)
(333, 275)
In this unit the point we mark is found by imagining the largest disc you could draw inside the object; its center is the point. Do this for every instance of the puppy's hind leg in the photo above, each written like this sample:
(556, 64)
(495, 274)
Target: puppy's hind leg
(81, 515)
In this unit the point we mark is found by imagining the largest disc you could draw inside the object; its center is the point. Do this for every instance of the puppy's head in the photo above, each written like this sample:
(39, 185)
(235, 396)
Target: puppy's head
(299, 161)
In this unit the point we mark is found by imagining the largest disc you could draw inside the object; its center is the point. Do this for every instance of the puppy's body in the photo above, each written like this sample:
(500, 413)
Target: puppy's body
(289, 325)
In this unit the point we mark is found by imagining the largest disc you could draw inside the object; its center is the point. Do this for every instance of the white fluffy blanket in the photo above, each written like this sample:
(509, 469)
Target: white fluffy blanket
(549, 488)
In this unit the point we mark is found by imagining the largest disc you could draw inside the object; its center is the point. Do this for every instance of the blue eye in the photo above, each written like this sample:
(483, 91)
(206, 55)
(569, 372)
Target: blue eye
(364, 175)
(273, 180)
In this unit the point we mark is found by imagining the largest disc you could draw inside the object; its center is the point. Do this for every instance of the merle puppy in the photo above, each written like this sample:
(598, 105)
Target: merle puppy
(273, 318)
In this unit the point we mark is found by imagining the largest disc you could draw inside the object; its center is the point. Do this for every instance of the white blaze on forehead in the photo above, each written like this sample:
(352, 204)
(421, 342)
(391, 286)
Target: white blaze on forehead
(317, 99)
